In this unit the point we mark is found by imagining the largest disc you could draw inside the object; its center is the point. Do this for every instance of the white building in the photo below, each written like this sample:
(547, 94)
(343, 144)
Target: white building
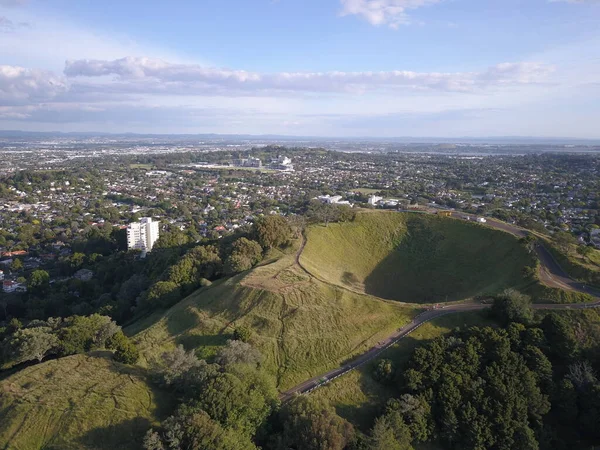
(331, 199)
(142, 235)
(373, 200)
(282, 163)
(1, 275)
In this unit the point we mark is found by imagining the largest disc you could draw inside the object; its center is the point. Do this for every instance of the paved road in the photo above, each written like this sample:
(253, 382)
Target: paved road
(550, 272)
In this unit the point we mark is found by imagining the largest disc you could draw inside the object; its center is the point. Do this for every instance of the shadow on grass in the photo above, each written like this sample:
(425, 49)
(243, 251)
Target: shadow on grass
(357, 410)
(434, 264)
(125, 435)
(205, 346)
(196, 340)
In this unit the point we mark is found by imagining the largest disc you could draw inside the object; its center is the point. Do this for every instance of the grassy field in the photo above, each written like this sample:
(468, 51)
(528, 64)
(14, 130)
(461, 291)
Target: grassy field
(302, 326)
(141, 166)
(78, 402)
(415, 258)
(359, 398)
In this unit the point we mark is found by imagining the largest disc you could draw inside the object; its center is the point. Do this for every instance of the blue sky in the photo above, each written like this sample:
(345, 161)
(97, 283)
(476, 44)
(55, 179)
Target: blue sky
(303, 67)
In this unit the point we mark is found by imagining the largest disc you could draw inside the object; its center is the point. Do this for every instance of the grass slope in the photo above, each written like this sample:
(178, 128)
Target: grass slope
(78, 402)
(586, 270)
(359, 398)
(415, 258)
(302, 326)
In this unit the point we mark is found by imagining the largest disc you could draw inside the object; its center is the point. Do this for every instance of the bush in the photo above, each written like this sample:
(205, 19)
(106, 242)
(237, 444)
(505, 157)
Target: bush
(512, 306)
(242, 334)
(384, 371)
(125, 351)
(272, 231)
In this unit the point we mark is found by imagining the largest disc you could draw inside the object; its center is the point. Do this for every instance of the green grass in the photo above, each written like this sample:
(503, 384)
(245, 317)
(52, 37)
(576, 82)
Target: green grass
(141, 166)
(302, 326)
(78, 402)
(359, 398)
(541, 293)
(587, 271)
(415, 258)
(366, 191)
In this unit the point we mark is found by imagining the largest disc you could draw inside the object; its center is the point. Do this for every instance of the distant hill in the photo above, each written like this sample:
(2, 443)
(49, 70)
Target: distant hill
(497, 140)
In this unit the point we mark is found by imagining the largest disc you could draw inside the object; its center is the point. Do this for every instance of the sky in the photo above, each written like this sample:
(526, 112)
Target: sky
(335, 68)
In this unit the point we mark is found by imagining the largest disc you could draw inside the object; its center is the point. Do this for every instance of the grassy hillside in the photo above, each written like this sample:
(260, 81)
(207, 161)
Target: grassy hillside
(78, 402)
(586, 270)
(415, 258)
(302, 326)
(359, 398)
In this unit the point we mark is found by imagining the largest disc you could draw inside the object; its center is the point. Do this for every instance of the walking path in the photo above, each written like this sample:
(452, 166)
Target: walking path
(550, 273)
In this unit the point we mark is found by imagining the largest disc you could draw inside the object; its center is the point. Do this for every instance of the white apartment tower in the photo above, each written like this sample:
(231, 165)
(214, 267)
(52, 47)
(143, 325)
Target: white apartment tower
(142, 235)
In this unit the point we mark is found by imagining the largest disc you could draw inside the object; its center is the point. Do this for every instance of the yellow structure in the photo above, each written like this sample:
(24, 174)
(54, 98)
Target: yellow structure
(445, 213)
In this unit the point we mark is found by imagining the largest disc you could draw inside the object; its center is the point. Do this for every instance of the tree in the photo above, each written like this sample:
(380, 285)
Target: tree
(480, 390)
(238, 352)
(415, 412)
(29, 344)
(311, 424)
(272, 231)
(192, 428)
(581, 374)
(529, 242)
(390, 432)
(242, 334)
(125, 351)
(162, 294)
(564, 240)
(560, 339)
(80, 334)
(175, 364)
(384, 371)
(244, 255)
(76, 261)
(512, 306)
(39, 281)
(16, 265)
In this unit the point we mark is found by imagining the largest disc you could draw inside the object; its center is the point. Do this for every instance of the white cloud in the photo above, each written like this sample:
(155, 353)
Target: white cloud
(152, 75)
(19, 85)
(383, 12)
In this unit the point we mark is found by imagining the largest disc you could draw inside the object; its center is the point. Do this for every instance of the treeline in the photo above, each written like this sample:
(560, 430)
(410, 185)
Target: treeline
(56, 337)
(203, 264)
(124, 286)
(525, 386)
(233, 404)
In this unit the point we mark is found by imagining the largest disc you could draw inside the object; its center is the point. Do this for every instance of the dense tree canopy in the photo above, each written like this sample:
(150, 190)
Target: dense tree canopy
(272, 231)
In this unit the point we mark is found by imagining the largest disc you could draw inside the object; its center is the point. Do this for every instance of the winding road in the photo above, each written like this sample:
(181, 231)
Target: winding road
(551, 274)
